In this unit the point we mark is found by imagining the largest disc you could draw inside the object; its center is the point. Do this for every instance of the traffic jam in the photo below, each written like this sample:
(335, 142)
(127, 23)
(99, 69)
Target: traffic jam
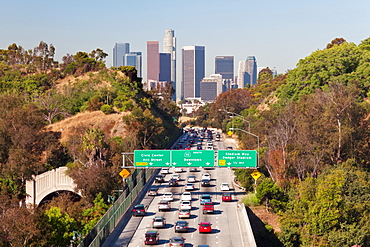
(186, 199)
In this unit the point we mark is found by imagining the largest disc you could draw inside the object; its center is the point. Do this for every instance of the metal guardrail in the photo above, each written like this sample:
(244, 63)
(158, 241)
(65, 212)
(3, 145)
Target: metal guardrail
(112, 217)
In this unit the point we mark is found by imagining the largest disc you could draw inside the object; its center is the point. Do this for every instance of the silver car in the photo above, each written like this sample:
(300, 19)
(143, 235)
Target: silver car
(177, 241)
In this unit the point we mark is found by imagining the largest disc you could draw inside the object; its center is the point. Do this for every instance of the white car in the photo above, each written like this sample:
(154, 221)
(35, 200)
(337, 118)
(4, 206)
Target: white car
(165, 170)
(176, 176)
(192, 179)
(206, 176)
(186, 196)
(167, 196)
(178, 169)
(185, 205)
(224, 187)
(189, 186)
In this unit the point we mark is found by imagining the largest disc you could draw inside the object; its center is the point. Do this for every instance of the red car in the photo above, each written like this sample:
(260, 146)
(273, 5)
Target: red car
(226, 197)
(151, 237)
(205, 227)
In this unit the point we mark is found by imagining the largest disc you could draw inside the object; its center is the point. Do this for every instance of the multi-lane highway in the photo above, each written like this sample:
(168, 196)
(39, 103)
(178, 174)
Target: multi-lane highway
(226, 230)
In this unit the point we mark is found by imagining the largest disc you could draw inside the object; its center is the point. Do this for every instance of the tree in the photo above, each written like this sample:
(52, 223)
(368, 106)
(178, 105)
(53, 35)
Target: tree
(144, 124)
(334, 42)
(59, 227)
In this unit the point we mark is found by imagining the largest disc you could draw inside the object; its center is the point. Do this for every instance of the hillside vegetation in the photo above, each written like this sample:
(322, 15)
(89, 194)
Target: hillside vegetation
(313, 130)
(78, 114)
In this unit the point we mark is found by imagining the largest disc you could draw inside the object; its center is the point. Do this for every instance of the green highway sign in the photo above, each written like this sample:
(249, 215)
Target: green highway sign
(193, 158)
(237, 158)
(152, 158)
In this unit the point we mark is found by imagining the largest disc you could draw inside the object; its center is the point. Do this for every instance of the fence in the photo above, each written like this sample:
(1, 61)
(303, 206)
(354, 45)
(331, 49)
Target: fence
(111, 218)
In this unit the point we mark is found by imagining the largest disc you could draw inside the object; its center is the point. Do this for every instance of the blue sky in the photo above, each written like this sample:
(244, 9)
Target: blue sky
(278, 33)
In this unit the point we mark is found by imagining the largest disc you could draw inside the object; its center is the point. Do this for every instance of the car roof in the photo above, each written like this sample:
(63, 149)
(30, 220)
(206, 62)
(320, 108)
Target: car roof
(158, 217)
(139, 205)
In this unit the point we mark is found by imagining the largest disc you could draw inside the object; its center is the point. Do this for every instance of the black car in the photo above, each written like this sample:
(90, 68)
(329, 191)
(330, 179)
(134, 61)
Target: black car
(206, 183)
(181, 226)
(139, 210)
(159, 179)
(173, 183)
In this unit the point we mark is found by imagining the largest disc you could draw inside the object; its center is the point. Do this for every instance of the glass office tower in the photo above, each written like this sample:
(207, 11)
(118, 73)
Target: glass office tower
(193, 70)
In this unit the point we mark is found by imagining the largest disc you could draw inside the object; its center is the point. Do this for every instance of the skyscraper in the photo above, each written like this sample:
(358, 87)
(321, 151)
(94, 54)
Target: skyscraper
(169, 46)
(152, 62)
(134, 59)
(224, 65)
(165, 67)
(119, 51)
(241, 74)
(193, 70)
(251, 69)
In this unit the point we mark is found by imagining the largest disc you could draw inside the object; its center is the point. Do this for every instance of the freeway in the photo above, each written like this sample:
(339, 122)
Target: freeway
(226, 229)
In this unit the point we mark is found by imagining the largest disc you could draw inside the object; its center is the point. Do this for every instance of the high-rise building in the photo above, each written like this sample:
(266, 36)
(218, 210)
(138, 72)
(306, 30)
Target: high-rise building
(134, 59)
(241, 74)
(119, 51)
(152, 65)
(169, 46)
(165, 67)
(251, 64)
(193, 70)
(224, 65)
(211, 87)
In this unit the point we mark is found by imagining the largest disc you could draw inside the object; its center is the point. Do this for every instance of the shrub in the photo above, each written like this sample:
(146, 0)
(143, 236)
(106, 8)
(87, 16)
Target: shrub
(107, 109)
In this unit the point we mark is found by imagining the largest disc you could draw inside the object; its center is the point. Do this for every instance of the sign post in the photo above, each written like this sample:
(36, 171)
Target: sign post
(237, 158)
(255, 174)
(152, 158)
(193, 158)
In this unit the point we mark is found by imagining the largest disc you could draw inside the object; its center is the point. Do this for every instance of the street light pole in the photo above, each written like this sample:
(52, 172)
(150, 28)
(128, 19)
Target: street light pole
(258, 141)
(249, 123)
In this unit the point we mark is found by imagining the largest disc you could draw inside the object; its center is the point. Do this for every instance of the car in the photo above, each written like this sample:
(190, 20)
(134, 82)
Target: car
(199, 147)
(139, 210)
(226, 197)
(177, 242)
(159, 178)
(176, 176)
(181, 226)
(167, 196)
(203, 245)
(159, 222)
(209, 147)
(206, 183)
(184, 213)
(153, 191)
(185, 205)
(206, 176)
(189, 186)
(205, 198)
(173, 183)
(193, 169)
(165, 170)
(208, 208)
(151, 237)
(224, 187)
(205, 227)
(229, 148)
(178, 169)
(192, 179)
(186, 196)
(164, 205)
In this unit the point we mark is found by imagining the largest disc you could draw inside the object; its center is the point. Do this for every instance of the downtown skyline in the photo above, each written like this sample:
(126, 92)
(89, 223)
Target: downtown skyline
(278, 34)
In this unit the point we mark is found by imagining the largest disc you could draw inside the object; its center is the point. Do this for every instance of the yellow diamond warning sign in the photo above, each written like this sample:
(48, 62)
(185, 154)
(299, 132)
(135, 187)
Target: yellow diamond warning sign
(256, 174)
(124, 173)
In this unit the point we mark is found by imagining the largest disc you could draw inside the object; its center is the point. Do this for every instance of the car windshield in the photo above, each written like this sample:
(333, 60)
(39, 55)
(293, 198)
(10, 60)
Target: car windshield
(205, 224)
(181, 223)
(139, 206)
(150, 235)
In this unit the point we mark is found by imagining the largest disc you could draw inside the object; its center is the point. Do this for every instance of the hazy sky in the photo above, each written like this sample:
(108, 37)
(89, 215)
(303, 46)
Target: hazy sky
(278, 33)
